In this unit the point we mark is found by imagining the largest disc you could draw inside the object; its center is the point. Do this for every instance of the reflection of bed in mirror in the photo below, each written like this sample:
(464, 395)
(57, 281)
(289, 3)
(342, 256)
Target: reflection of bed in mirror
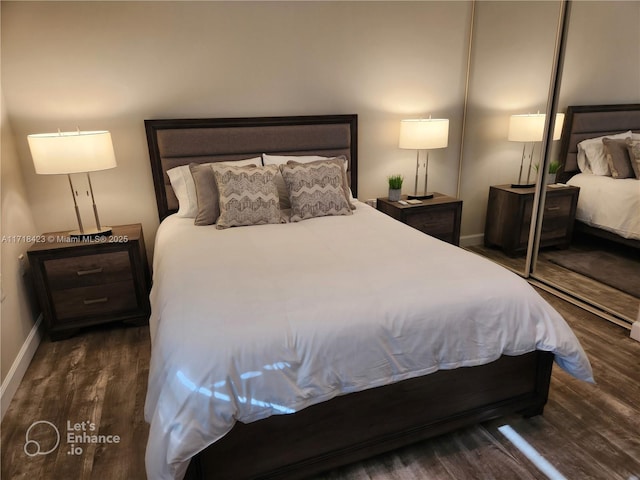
(607, 207)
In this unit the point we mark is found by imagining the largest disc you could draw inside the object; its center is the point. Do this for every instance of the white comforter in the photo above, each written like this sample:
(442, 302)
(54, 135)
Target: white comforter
(255, 321)
(608, 203)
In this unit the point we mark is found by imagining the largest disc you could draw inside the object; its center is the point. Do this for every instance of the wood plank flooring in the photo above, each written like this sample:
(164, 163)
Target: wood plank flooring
(587, 289)
(587, 431)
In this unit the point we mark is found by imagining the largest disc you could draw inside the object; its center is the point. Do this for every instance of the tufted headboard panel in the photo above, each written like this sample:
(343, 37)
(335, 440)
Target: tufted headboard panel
(589, 121)
(182, 141)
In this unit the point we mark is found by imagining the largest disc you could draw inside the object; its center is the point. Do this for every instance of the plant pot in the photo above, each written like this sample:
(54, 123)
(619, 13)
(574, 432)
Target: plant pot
(394, 194)
(551, 178)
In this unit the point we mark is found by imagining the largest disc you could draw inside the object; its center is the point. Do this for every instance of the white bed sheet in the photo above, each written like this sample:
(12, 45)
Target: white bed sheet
(608, 203)
(253, 321)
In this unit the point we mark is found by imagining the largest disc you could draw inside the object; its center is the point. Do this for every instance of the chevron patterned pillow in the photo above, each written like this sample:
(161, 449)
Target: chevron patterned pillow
(316, 189)
(247, 195)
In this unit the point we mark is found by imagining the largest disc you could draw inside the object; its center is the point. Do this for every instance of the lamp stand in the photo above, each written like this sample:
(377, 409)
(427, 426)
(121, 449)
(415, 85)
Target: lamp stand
(425, 195)
(90, 232)
(99, 230)
(80, 230)
(533, 147)
(520, 184)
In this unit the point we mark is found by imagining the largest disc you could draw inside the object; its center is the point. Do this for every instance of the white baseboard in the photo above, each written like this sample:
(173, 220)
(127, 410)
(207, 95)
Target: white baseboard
(635, 330)
(19, 367)
(472, 240)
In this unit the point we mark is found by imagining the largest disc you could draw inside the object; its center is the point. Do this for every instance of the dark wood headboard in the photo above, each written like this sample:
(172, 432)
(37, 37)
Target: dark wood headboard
(589, 121)
(176, 142)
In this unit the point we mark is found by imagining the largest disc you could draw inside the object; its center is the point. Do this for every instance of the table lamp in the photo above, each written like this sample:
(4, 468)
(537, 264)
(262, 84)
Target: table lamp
(423, 134)
(529, 129)
(74, 152)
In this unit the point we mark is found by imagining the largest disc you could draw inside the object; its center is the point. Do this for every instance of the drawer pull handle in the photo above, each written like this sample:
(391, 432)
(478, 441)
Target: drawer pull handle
(553, 209)
(89, 272)
(96, 300)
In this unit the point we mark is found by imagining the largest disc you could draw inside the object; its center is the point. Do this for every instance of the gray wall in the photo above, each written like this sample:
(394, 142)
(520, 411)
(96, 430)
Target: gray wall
(110, 65)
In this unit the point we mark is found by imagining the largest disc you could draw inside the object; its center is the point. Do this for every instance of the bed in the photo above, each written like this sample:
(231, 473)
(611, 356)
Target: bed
(607, 207)
(286, 349)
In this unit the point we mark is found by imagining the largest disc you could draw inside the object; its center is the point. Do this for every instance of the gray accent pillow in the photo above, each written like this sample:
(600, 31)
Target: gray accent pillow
(316, 189)
(247, 195)
(206, 194)
(617, 155)
(633, 147)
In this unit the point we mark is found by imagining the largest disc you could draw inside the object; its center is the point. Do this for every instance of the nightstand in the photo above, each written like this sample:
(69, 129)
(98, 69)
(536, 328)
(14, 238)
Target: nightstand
(91, 281)
(509, 217)
(438, 216)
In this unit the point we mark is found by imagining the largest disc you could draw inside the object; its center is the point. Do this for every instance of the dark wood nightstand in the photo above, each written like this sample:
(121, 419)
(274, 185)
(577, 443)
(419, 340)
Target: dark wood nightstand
(438, 216)
(91, 281)
(509, 217)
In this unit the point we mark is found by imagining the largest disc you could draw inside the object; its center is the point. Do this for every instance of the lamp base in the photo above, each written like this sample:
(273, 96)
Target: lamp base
(426, 196)
(90, 233)
(523, 185)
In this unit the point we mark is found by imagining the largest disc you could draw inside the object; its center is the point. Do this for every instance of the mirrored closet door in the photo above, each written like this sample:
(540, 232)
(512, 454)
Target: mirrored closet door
(601, 264)
(511, 65)
(512, 76)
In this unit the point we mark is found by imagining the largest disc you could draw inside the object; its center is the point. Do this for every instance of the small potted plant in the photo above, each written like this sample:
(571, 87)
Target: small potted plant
(395, 187)
(554, 167)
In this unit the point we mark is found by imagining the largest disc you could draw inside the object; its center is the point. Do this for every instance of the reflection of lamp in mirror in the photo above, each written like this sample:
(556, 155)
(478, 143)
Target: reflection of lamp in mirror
(529, 129)
(423, 134)
(74, 152)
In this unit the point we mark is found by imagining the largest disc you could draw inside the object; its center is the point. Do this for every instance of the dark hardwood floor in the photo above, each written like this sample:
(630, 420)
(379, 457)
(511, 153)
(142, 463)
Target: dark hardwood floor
(99, 377)
(610, 299)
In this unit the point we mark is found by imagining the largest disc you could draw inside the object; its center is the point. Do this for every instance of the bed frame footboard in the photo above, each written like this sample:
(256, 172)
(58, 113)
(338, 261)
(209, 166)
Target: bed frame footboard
(353, 427)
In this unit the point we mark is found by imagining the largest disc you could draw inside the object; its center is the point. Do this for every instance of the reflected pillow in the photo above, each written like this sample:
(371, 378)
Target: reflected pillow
(247, 195)
(591, 156)
(617, 155)
(316, 189)
(633, 148)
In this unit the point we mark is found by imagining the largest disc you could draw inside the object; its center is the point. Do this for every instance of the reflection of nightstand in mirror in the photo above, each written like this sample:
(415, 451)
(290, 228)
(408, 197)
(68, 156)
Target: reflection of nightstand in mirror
(438, 216)
(509, 217)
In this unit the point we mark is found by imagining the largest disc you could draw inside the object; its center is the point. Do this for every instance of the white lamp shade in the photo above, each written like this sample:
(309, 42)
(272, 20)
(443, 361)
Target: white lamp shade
(422, 134)
(529, 128)
(71, 152)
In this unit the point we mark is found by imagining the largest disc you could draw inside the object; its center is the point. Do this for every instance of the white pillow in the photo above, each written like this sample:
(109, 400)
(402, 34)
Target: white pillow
(591, 156)
(185, 189)
(282, 160)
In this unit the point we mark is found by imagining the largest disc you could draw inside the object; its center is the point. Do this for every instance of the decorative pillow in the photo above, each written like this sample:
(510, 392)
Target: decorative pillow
(591, 152)
(617, 156)
(184, 187)
(316, 189)
(633, 147)
(207, 190)
(283, 159)
(247, 195)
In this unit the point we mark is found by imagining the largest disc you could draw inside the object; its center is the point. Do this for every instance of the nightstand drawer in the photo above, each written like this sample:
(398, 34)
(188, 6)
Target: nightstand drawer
(96, 300)
(557, 206)
(87, 270)
(438, 223)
